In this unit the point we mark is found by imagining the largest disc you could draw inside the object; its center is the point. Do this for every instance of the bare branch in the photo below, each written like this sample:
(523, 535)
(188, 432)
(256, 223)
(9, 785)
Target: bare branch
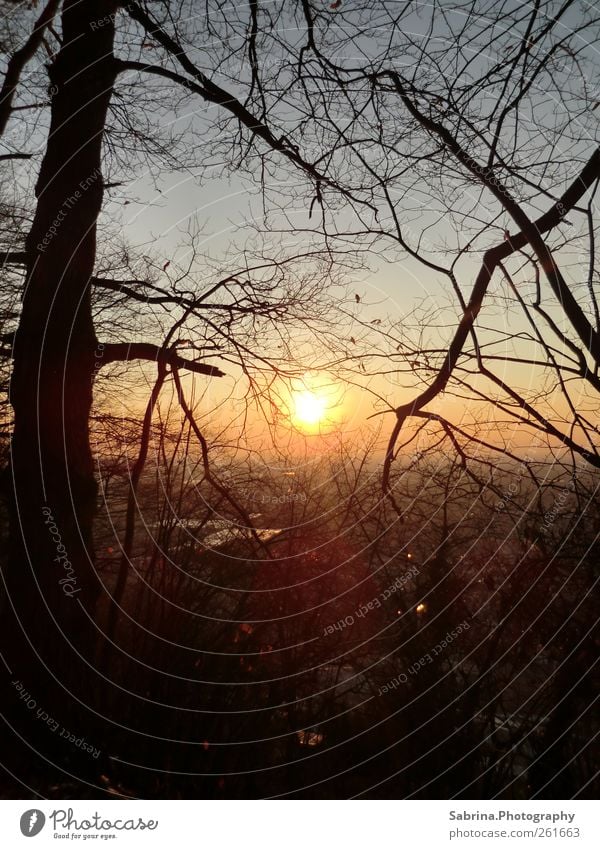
(20, 58)
(491, 260)
(124, 352)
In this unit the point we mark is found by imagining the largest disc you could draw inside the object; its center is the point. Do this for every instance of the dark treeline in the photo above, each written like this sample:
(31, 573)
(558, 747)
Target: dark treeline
(333, 648)
(202, 208)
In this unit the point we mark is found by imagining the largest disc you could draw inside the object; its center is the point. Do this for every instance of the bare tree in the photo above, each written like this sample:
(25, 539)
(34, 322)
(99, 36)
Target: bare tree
(57, 355)
(421, 136)
(423, 133)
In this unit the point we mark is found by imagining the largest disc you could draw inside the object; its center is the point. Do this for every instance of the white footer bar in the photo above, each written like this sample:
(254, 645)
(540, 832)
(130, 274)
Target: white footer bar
(175, 824)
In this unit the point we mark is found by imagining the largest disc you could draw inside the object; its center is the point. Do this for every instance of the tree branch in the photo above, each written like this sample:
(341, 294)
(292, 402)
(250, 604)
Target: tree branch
(20, 58)
(13, 258)
(212, 480)
(529, 230)
(491, 259)
(6, 156)
(209, 90)
(125, 351)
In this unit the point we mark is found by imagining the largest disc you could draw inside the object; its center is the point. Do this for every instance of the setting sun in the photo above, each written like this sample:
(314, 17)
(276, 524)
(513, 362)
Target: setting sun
(303, 410)
(313, 404)
(309, 407)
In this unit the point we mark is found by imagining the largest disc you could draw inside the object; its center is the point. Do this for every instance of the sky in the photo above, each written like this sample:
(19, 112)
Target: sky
(220, 205)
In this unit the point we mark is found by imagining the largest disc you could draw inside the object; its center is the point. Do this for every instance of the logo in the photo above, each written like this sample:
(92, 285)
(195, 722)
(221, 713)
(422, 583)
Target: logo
(32, 822)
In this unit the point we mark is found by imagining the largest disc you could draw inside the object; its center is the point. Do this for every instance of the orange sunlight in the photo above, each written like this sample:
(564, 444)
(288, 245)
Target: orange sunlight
(314, 404)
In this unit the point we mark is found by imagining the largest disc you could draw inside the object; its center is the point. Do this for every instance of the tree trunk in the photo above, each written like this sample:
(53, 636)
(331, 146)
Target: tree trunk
(50, 579)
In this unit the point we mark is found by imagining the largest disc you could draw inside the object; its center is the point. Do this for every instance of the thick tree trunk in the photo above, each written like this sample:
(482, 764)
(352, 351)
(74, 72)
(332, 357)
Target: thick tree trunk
(51, 584)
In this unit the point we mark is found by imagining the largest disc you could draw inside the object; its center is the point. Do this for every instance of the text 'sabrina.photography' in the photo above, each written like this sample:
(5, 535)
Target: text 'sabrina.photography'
(299, 420)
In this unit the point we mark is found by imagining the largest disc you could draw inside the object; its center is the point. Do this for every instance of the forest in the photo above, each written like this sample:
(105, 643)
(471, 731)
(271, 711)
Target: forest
(299, 383)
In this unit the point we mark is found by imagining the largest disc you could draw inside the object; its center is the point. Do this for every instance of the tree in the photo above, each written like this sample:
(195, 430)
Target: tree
(51, 581)
(398, 112)
(411, 123)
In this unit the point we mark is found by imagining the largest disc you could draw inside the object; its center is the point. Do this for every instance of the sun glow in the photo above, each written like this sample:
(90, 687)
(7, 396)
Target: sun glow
(314, 404)
(309, 408)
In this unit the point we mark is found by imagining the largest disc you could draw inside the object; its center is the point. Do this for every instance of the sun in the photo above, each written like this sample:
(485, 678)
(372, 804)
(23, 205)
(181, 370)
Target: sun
(313, 404)
(309, 407)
